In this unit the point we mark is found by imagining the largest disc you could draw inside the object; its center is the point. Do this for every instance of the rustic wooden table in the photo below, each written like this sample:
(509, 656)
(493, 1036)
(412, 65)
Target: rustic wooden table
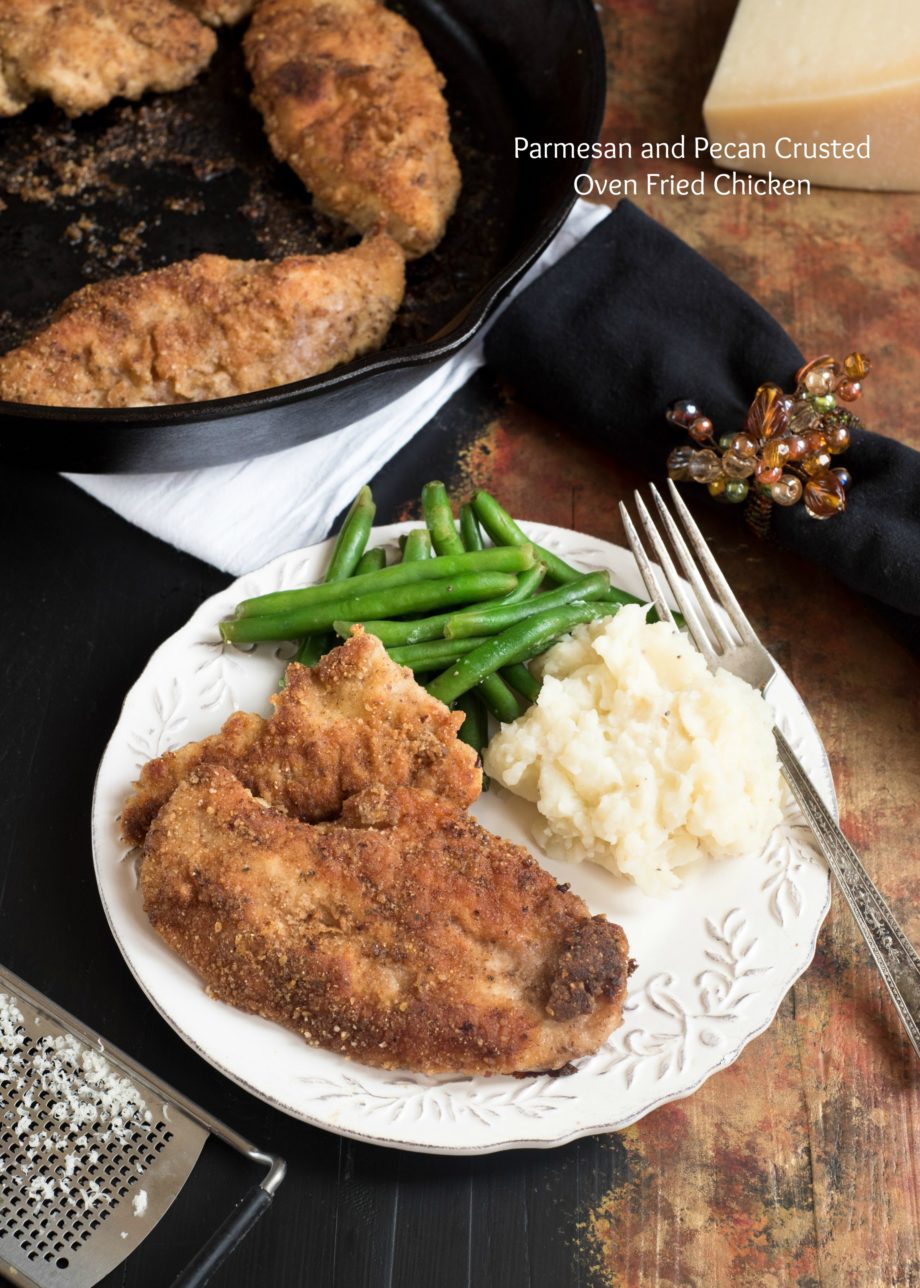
(796, 1166)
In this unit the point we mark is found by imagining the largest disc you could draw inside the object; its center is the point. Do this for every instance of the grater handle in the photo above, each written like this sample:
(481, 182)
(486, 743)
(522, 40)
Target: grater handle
(224, 1240)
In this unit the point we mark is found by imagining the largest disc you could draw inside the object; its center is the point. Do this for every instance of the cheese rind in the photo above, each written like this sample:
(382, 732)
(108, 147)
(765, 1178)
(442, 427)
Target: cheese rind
(814, 71)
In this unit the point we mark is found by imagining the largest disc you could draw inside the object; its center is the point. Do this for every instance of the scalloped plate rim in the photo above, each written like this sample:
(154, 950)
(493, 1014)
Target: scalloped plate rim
(390, 1138)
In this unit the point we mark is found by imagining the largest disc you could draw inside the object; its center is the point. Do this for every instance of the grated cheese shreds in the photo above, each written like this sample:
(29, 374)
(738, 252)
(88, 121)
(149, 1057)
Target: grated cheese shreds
(56, 1093)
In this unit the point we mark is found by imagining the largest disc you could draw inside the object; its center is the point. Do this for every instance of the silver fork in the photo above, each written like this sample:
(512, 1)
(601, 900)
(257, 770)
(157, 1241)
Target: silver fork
(741, 652)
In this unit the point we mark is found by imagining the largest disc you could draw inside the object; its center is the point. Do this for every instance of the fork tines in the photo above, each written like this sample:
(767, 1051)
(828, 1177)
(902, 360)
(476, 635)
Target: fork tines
(714, 637)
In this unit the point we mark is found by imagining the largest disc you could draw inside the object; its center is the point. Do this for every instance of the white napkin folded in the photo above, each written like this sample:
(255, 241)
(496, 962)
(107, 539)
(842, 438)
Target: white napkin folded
(239, 516)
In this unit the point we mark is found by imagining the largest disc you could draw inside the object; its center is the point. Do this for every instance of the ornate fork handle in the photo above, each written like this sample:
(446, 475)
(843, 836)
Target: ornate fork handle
(892, 951)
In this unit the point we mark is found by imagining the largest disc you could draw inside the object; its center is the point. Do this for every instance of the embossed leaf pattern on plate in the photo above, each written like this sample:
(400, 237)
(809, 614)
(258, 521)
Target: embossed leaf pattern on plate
(408, 1098)
(670, 1014)
(163, 731)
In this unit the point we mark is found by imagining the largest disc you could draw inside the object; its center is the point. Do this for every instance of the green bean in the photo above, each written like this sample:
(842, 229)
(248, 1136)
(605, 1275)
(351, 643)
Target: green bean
(498, 698)
(518, 676)
(469, 528)
(504, 531)
(371, 561)
(347, 558)
(352, 538)
(619, 597)
(428, 628)
(313, 648)
(285, 602)
(473, 731)
(439, 517)
(421, 629)
(433, 655)
(528, 584)
(388, 601)
(432, 628)
(493, 691)
(396, 634)
(418, 545)
(490, 620)
(518, 643)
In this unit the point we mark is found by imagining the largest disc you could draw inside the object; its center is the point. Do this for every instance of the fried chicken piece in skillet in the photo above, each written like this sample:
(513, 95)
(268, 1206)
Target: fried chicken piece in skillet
(403, 936)
(208, 328)
(352, 102)
(354, 720)
(84, 53)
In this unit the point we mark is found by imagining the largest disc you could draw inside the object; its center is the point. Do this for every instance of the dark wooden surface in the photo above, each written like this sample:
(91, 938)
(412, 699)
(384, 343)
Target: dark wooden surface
(795, 1167)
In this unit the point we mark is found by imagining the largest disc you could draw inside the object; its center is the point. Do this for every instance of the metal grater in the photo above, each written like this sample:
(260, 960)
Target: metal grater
(93, 1150)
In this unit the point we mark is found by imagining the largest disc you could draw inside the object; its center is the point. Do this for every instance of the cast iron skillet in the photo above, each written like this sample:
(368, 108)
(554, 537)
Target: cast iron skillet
(139, 185)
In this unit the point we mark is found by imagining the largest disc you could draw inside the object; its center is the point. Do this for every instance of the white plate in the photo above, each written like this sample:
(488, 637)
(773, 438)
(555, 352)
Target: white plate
(715, 958)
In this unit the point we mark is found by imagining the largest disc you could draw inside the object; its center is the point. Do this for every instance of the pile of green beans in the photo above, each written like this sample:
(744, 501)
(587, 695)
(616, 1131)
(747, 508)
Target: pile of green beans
(494, 615)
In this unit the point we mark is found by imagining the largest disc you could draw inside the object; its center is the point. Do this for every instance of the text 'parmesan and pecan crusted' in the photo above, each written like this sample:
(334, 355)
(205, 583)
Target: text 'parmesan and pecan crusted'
(402, 935)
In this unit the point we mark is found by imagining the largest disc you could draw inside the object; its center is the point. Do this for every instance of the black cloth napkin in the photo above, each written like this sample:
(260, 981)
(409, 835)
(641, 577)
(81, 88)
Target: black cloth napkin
(631, 320)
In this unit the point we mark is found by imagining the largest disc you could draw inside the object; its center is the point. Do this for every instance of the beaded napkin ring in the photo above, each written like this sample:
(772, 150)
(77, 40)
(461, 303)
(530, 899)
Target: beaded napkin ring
(784, 452)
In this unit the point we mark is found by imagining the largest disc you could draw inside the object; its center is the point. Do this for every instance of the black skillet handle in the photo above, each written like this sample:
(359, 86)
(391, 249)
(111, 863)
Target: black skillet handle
(225, 1239)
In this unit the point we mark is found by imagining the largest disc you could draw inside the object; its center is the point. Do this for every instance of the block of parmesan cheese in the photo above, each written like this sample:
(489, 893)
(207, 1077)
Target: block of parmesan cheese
(805, 78)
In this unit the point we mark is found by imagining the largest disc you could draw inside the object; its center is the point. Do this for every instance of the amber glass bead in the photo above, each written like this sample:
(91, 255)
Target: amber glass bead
(776, 452)
(803, 417)
(838, 439)
(737, 467)
(856, 365)
(787, 491)
(736, 490)
(767, 413)
(767, 475)
(798, 447)
(743, 445)
(701, 429)
(683, 412)
(679, 463)
(816, 463)
(818, 376)
(716, 487)
(814, 441)
(849, 390)
(824, 496)
(705, 466)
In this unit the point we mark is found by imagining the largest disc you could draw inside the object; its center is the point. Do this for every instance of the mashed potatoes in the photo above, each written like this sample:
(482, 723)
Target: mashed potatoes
(637, 757)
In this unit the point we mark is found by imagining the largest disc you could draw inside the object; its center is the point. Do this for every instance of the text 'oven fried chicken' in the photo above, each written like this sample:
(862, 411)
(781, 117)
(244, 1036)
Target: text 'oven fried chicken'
(403, 936)
(84, 53)
(353, 103)
(209, 328)
(353, 720)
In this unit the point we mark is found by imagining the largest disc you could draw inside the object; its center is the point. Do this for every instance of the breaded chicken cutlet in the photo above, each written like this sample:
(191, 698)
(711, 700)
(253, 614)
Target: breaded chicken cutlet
(208, 328)
(403, 935)
(84, 53)
(353, 103)
(353, 721)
